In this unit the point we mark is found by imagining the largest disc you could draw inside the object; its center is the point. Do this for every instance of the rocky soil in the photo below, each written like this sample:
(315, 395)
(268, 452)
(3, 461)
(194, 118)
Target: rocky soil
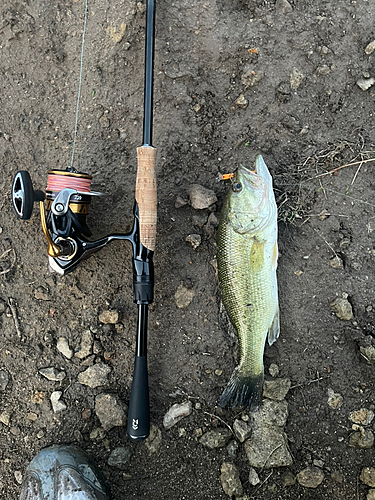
(291, 80)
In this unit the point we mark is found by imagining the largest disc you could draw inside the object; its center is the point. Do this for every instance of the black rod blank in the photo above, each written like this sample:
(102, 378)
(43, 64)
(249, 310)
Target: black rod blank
(149, 73)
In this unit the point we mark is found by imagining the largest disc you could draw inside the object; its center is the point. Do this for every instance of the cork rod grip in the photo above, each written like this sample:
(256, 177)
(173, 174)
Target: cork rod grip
(145, 195)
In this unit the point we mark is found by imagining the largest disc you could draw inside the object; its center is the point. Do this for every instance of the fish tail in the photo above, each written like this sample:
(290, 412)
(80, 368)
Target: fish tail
(243, 390)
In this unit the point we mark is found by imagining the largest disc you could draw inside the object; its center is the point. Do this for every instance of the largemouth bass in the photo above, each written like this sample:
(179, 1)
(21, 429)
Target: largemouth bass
(247, 261)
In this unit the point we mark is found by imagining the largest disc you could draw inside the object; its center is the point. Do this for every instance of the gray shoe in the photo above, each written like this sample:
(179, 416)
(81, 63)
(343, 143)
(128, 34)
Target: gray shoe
(63, 473)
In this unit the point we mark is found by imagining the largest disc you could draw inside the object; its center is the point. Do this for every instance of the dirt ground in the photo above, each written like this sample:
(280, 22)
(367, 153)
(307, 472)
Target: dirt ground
(208, 53)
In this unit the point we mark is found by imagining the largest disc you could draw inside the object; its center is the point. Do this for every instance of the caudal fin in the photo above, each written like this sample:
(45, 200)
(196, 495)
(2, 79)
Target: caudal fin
(243, 390)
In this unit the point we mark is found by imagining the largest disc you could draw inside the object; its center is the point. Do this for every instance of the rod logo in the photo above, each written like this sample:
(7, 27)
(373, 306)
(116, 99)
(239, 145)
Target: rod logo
(135, 424)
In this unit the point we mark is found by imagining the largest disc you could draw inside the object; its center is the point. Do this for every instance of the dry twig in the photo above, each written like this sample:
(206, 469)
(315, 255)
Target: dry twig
(15, 318)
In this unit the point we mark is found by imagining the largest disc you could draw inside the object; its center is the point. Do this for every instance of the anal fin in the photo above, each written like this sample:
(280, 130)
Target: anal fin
(274, 329)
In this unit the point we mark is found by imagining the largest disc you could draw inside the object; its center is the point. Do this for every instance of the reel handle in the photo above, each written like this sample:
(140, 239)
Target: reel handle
(146, 196)
(23, 195)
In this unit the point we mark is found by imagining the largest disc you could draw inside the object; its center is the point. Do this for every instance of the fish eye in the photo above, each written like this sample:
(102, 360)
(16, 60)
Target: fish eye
(236, 187)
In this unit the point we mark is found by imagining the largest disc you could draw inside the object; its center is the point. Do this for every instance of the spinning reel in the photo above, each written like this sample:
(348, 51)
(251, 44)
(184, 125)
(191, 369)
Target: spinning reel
(63, 209)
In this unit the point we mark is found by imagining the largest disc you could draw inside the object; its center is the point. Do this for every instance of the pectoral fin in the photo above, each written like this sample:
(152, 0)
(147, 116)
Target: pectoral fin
(274, 329)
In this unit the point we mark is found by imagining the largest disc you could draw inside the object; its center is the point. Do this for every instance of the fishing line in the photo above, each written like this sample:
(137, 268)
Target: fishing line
(70, 168)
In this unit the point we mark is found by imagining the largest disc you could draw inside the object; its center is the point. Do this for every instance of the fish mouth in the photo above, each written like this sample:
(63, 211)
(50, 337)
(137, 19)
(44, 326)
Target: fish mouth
(259, 170)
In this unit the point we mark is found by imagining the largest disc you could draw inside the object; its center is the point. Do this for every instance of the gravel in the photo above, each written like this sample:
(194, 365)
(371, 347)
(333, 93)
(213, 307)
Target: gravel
(335, 400)
(311, 477)
(52, 373)
(153, 441)
(183, 296)
(4, 380)
(362, 416)
(63, 346)
(119, 457)
(368, 476)
(95, 376)
(241, 430)
(253, 477)
(362, 439)
(201, 197)
(109, 317)
(176, 413)
(216, 438)
(276, 389)
(85, 346)
(110, 410)
(343, 309)
(57, 404)
(230, 480)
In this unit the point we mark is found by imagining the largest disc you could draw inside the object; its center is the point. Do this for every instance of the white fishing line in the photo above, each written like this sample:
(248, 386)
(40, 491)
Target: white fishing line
(79, 88)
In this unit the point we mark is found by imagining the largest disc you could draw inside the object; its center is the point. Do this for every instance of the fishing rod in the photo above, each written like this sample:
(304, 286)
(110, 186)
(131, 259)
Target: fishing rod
(64, 206)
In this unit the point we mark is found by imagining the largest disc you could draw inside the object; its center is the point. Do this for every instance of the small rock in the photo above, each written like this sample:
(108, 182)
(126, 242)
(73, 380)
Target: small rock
(85, 346)
(63, 347)
(4, 380)
(183, 296)
(38, 397)
(336, 263)
(335, 400)
(212, 220)
(110, 410)
(199, 220)
(362, 440)
(109, 317)
(97, 347)
(368, 476)
(201, 197)
(5, 418)
(274, 413)
(253, 477)
(52, 373)
(119, 457)
(276, 389)
(3, 306)
(323, 70)
(365, 83)
(141, 7)
(216, 438)
(230, 480)
(323, 214)
(311, 477)
(337, 476)
(370, 495)
(283, 6)
(362, 416)
(57, 405)
(90, 360)
(343, 309)
(180, 202)
(194, 239)
(232, 448)
(32, 416)
(296, 78)
(78, 435)
(268, 448)
(86, 414)
(18, 476)
(97, 434)
(153, 441)
(288, 479)
(370, 48)
(95, 376)
(176, 413)
(368, 353)
(250, 78)
(16, 431)
(242, 102)
(40, 294)
(241, 430)
(273, 370)
(318, 463)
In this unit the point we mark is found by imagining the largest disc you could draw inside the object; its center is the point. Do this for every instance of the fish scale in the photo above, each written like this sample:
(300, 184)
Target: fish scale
(247, 275)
